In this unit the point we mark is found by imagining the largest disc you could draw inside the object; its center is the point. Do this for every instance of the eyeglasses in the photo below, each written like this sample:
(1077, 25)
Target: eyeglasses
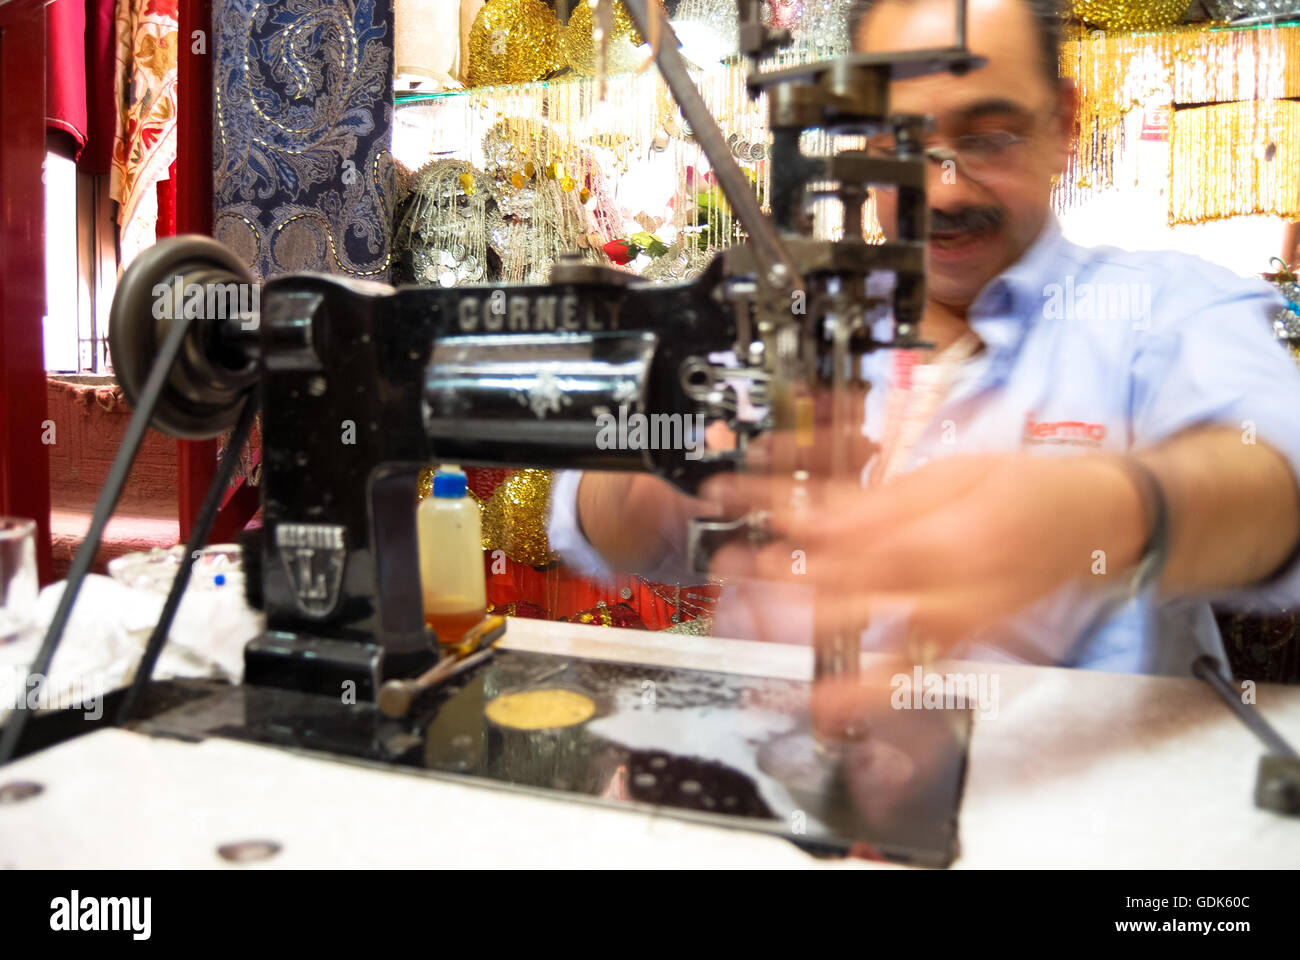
(982, 156)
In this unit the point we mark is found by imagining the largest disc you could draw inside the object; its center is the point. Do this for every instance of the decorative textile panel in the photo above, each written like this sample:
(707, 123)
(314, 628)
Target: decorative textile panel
(145, 88)
(302, 176)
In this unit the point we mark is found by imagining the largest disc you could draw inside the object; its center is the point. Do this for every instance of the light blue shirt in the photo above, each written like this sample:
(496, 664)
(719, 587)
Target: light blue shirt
(1087, 350)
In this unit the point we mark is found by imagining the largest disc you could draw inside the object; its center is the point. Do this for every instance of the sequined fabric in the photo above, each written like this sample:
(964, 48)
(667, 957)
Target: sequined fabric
(302, 176)
(513, 505)
(579, 44)
(1131, 14)
(513, 41)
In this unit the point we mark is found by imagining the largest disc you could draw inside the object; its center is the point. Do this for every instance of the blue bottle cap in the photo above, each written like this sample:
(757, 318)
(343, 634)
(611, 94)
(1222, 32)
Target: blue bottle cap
(450, 484)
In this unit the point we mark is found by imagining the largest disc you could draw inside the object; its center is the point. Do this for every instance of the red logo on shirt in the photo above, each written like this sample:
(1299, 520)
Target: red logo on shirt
(1071, 432)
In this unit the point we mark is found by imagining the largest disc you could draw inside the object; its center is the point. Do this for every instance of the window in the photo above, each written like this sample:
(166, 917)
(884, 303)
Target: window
(80, 267)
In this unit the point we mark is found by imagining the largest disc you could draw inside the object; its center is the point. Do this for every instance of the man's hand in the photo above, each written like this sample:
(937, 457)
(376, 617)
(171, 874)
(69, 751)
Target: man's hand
(966, 542)
(953, 548)
(963, 543)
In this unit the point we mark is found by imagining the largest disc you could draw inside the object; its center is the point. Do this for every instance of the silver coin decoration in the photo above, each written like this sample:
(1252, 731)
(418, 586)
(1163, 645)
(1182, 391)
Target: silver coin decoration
(1241, 9)
(442, 237)
(539, 219)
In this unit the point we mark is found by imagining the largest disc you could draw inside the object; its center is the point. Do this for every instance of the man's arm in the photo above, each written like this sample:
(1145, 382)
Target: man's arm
(636, 522)
(1234, 509)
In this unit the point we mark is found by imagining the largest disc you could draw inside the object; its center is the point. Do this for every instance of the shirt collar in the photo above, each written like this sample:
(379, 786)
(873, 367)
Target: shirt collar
(1006, 307)
(1003, 311)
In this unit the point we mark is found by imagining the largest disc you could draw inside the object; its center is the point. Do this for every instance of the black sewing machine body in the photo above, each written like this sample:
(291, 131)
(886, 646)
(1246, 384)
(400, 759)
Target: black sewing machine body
(362, 386)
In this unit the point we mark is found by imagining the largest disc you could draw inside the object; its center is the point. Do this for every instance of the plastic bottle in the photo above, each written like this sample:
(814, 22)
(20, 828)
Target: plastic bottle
(450, 536)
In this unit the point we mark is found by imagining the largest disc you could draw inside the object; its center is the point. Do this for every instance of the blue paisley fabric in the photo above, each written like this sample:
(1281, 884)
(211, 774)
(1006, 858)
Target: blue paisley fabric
(302, 121)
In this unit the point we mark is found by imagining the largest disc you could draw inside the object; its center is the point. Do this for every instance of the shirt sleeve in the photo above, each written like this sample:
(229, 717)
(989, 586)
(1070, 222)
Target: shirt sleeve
(565, 533)
(1212, 359)
(567, 539)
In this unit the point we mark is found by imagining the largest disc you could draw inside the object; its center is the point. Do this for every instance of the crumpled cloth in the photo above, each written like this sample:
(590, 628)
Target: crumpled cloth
(106, 637)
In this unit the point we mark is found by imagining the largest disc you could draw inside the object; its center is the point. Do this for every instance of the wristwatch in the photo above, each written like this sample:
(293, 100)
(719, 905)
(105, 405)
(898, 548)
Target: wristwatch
(1155, 551)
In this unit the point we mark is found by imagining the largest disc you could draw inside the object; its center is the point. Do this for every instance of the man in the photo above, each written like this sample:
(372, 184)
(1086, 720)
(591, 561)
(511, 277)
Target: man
(979, 535)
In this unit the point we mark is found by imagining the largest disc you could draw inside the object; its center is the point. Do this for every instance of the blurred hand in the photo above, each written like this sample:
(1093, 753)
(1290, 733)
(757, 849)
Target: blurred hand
(950, 549)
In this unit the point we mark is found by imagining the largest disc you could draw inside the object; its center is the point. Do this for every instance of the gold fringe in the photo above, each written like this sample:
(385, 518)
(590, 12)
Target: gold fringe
(1118, 75)
(1235, 159)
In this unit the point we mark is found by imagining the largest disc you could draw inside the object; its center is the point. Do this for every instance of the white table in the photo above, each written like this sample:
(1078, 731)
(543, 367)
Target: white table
(1076, 769)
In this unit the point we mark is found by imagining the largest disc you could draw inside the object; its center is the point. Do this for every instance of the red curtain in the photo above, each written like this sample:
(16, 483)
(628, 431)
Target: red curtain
(79, 99)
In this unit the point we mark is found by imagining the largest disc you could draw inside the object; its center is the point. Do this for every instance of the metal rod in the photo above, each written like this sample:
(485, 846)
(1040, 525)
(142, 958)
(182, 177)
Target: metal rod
(1207, 668)
(104, 507)
(776, 265)
(397, 696)
(960, 43)
(198, 540)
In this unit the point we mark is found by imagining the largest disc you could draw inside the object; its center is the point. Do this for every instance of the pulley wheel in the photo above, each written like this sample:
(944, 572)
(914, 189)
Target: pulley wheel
(204, 392)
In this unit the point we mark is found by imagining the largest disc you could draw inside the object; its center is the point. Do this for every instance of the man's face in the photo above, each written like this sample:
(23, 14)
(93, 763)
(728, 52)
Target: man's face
(1009, 124)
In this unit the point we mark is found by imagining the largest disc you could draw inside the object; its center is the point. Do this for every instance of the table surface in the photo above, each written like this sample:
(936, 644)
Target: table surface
(1073, 769)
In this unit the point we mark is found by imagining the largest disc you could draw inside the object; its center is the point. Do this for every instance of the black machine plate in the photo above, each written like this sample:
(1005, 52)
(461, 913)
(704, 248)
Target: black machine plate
(721, 748)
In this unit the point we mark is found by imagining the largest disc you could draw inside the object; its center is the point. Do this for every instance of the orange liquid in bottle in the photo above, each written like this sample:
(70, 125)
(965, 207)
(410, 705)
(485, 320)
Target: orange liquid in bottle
(450, 625)
(453, 584)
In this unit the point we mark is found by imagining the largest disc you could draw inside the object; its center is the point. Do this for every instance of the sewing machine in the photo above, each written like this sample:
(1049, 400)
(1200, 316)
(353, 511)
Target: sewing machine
(361, 385)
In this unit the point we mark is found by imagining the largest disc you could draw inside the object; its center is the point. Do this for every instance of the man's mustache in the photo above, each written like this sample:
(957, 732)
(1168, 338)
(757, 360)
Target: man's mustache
(967, 220)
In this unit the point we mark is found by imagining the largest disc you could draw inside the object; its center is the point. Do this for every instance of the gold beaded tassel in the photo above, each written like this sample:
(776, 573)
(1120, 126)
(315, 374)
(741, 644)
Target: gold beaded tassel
(1235, 159)
(666, 111)
(708, 92)
(1220, 66)
(758, 108)
(1117, 75)
(727, 82)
